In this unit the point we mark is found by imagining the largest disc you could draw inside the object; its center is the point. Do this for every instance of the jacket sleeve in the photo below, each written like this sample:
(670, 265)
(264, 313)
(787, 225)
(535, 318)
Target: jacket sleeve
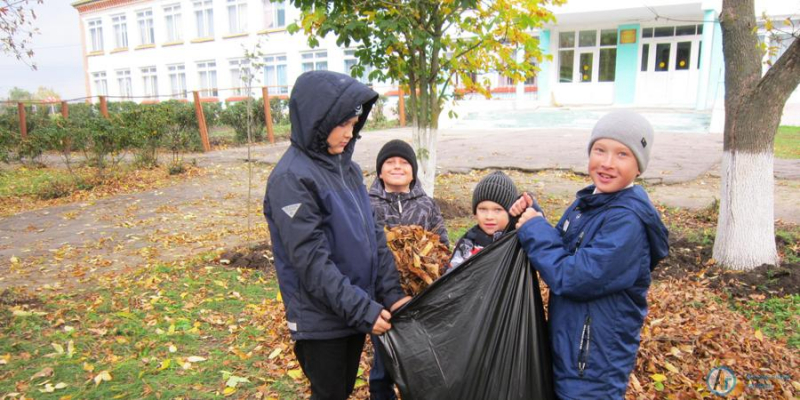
(309, 253)
(387, 288)
(607, 263)
(436, 222)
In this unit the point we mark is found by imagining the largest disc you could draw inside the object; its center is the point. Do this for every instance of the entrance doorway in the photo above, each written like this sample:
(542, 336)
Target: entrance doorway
(669, 65)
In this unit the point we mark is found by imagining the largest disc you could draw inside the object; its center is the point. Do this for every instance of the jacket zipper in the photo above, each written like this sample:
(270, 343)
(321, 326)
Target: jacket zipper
(583, 350)
(360, 212)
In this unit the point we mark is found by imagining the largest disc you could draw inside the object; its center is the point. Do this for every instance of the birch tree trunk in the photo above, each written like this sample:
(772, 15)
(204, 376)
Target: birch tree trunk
(425, 140)
(753, 107)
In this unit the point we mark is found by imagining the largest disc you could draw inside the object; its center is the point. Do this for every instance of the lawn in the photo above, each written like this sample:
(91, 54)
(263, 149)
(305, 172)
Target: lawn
(787, 142)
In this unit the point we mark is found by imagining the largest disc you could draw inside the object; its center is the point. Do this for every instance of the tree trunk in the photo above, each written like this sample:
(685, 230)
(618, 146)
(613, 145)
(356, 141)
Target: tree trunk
(425, 139)
(753, 107)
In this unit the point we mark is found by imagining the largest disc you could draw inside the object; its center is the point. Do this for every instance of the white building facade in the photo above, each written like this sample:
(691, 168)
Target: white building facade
(654, 53)
(147, 50)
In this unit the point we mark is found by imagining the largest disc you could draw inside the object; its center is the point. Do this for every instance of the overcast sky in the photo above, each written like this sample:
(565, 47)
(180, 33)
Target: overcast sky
(58, 54)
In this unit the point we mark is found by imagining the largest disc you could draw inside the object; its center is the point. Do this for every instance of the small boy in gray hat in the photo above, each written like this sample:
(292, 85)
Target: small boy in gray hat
(597, 262)
(491, 200)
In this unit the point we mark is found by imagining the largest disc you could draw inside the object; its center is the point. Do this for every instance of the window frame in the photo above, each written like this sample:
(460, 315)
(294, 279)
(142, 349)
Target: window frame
(237, 16)
(203, 12)
(208, 86)
(95, 33)
(143, 19)
(119, 24)
(276, 61)
(177, 74)
(173, 22)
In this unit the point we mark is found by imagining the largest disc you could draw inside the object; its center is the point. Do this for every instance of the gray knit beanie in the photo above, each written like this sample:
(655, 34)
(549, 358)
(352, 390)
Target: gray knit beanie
(628, 128)
(496, 187)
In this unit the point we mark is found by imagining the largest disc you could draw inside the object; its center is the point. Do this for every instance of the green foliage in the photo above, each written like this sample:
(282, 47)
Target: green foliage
(279, 110)
(787, 142)
(144, 126)
(180, 131)
(212, 112)
(424, 46)
(8, 143)
(19, 94)
(104, 140)
(236, 116)
(377, 114)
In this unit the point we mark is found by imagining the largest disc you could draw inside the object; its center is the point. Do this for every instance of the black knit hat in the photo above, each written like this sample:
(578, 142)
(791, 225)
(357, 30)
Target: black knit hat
(397, 148)
(496, 187)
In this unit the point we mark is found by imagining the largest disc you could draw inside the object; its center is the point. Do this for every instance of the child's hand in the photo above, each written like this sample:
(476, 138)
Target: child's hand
(528, 215)
(382, 323)
(520, 205)
(399, 303)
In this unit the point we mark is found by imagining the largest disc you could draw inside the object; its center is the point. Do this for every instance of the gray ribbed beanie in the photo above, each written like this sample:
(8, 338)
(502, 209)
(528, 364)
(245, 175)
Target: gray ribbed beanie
(496, 187)
(628, 128)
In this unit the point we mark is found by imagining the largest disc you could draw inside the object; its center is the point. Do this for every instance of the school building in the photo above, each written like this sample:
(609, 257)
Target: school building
(637, 53)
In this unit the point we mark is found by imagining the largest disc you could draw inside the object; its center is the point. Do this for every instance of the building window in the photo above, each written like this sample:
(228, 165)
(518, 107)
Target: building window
(350, 61)
(207, 75)
(150, 81)
(146, 30)
(566, 57)
(532, 80)
(685, 30)
(274, 14)
(96, 34)
(607, 67)
(586, 66)
(237, 16)
(240, 72)
(120, 31)
(172, 21)
(275, 73)
(100, 83)
(177, 80)
(587, 39)
(683, 56)
(662, 56)
(664, 31)
(315, 61)
(124, 83)
(645, 56)
(204, 18)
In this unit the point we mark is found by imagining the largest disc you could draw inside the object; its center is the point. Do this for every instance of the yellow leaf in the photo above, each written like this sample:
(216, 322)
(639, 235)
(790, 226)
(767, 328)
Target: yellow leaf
(229, 391)
(88, 367)
(59, 348)
(279, 297)
(102, 376)
(275, 353)
(60, 385)
(165, 364)
(172, 348)
(5, 359)
(671, 367)
(14, 260)
(675, 352)
(67, 397)
(759, 335)
(171, 330)
(70, 349)
(194, 359)
(296, 373)
(658, 377)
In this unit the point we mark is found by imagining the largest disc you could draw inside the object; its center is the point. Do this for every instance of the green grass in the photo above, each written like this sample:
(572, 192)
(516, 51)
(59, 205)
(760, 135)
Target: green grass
(777, 317)
(142, 328)
(787, 142)
(26, 181)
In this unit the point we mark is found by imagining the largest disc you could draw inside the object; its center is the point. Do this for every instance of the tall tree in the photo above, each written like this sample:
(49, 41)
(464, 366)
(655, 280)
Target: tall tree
(753, 108)
(17, 30)
(19, 94)
(46, 94)
(427, 46)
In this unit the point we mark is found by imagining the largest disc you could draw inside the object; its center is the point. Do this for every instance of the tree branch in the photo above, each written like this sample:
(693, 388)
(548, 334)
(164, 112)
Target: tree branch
(784, 76)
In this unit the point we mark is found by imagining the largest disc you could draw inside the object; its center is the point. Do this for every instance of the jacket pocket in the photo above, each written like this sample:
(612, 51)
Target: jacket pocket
(583, 347)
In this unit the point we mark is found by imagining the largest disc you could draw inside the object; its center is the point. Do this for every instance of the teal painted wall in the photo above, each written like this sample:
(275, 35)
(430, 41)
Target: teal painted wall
(543, 79)
(716, 77)
(626, 68)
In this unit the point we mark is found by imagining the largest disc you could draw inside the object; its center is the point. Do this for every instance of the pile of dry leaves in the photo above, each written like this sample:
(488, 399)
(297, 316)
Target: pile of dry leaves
(420, 257)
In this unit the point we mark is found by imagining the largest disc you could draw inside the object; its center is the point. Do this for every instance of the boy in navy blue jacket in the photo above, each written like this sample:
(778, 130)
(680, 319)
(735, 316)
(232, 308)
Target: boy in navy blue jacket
(597, 262)
(336, 275)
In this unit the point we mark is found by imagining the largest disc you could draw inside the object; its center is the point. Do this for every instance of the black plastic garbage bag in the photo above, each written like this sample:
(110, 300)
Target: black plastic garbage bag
(476, 333)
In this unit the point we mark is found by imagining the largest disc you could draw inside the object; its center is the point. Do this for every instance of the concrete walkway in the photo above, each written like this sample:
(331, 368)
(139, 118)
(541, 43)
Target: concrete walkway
(676, 157)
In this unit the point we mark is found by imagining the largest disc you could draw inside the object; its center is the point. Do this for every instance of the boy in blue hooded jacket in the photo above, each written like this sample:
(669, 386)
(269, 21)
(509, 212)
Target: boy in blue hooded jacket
(336, 275)
(597, 262)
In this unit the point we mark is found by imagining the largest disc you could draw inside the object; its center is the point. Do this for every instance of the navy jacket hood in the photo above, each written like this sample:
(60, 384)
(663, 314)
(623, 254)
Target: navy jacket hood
(326, 99)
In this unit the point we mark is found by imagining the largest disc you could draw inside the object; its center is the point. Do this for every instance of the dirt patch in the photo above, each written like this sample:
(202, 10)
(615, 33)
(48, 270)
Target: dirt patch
(18, 297)
(452, 209)
(692, 260)
(257, 256)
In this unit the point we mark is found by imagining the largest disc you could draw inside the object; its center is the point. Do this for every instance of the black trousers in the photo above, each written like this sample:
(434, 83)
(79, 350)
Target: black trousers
(331, 365)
